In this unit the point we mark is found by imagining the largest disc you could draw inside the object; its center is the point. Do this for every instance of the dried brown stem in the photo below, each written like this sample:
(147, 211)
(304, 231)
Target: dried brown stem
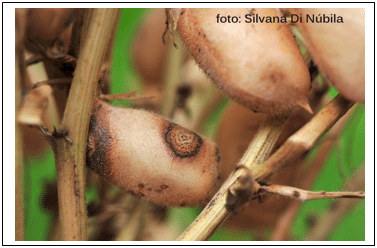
(19, 87)
(303, 140)
(172, 76)
(305, 195)
(70, 158)
(125, 96)
(223, 203)
(282, 227)
(215, 213)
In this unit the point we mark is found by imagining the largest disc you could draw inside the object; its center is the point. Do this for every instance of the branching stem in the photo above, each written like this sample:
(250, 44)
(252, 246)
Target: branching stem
(70, 158)
(216, 212)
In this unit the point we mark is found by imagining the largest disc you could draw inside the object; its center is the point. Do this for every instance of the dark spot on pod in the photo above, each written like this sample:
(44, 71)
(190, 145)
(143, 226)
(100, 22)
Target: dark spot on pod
(141, 194)
(199, 50)
(149, 189)
(182, 142)
(183, 204)
(98, 141)
(296, 193)
(182, 12)
(218, 158)
(141, 185)
(164, 186)
(323, 192)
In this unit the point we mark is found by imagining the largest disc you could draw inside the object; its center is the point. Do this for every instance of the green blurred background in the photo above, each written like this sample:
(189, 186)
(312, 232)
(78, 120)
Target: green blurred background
(351, 152)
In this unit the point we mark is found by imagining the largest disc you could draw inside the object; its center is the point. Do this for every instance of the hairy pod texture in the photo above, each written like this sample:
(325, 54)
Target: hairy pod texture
(258, 65)
(338, 48)
(152, 157)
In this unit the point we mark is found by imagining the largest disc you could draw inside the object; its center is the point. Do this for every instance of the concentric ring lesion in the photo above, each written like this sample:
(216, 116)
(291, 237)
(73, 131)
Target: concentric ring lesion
(184, 143)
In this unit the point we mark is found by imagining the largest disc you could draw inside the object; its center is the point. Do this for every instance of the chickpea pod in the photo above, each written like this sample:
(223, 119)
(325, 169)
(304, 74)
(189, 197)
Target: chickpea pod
(152, 157)
(338, 48)
(258, 65)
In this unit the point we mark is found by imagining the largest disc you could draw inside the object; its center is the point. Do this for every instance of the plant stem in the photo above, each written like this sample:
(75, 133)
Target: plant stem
(70, 158)
(172, 77)
(303, 140)
(19, 86)
(305, 195)
(282, 227)
(215, 213)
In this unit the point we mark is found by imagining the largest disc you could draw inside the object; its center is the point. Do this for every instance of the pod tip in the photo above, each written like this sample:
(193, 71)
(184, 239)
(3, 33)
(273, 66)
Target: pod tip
(305, 105)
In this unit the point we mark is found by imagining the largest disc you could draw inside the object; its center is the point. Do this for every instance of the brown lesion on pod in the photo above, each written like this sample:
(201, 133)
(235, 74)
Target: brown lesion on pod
(182, 142)
(152, 157)
(99, 142)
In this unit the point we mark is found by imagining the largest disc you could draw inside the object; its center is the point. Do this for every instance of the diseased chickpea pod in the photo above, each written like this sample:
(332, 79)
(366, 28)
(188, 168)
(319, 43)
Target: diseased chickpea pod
(338, 48)
(152, 157)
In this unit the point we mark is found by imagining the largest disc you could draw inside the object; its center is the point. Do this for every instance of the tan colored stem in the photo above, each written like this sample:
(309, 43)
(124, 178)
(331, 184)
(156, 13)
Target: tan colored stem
(303, 140)
(172, 77)
(19, 87)
(70, 158)
(215, 213)
(305, 195)
(282, 228)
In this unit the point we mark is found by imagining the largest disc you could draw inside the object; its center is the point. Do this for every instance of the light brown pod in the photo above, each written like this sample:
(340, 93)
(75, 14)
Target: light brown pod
(237, 128)
(257, 64)
(337, 48)
(148, 51)
(152, 157)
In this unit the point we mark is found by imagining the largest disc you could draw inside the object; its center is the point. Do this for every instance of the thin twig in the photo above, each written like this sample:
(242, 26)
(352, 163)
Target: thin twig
(125, 96)
(282, 227)
(306, 195)
(70, 158)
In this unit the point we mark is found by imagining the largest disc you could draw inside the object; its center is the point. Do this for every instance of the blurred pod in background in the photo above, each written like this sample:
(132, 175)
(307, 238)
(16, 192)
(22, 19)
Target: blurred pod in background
(337, 45)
